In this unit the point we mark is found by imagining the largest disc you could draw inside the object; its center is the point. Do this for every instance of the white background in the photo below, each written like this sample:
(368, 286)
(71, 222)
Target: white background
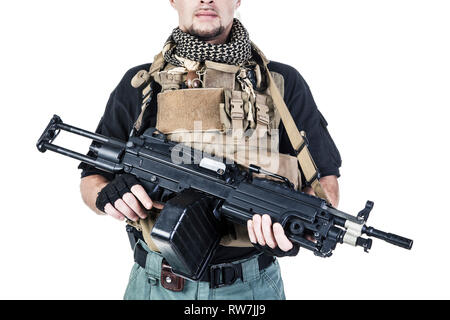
(379, 72)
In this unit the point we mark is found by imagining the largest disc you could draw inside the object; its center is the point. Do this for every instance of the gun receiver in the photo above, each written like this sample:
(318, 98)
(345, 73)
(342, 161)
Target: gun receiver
(185, 235)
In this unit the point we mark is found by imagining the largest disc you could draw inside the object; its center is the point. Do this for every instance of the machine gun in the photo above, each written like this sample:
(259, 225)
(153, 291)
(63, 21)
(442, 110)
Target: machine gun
(205, 195)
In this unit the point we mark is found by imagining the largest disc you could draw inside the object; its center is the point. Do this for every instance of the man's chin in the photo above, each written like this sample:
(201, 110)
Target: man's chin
(206, 34)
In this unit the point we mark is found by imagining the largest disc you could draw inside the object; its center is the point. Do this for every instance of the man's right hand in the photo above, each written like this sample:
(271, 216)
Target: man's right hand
(124, 198)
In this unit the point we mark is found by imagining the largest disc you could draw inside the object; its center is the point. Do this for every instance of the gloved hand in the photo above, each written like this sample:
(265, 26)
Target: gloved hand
(124, 197)
(270, 239)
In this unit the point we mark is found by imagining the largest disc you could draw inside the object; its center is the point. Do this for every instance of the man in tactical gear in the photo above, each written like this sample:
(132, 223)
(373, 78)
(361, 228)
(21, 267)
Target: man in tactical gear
(209, 62)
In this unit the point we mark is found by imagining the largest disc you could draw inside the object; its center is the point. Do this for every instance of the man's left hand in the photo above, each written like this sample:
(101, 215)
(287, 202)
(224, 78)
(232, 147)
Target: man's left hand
(262, 232)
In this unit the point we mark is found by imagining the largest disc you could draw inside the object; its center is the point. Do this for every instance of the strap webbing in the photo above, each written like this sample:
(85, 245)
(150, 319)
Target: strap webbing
(304, 157)
(157, 65)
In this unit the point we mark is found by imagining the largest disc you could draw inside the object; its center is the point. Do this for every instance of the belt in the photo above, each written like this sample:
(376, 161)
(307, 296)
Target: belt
(218, 275)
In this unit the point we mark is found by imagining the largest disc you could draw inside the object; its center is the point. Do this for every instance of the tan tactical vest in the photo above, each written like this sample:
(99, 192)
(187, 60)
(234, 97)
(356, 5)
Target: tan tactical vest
(214, 108)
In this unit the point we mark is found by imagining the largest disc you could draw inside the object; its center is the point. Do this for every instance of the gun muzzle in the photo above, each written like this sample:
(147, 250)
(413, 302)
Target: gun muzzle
(388, 237)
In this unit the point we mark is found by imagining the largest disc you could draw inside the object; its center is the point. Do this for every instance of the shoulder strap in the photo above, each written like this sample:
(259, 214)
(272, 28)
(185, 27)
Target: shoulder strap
(147, 77)
(157, 65)
(298, 142)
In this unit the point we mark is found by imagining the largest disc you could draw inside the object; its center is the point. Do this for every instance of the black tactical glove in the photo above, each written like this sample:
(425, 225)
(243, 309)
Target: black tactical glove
(277, 252)
(115, 190)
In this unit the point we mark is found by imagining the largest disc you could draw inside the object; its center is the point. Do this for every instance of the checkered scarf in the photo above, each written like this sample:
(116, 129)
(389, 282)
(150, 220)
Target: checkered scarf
(185, 45)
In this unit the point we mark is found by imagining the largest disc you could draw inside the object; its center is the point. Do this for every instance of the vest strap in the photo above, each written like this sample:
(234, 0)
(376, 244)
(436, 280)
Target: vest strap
(237, 113)
(262, 115)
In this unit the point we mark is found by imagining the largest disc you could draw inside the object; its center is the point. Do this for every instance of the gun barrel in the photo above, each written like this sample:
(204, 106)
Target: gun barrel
(389, 237)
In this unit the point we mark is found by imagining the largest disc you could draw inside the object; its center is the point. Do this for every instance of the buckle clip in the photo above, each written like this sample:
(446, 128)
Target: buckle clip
(237, 110)
(262, 115)
(218, 275)
(317, 176)
(304, 144)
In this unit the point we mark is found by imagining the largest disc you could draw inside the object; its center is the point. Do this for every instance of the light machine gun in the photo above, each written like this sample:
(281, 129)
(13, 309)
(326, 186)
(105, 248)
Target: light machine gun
(207, 194)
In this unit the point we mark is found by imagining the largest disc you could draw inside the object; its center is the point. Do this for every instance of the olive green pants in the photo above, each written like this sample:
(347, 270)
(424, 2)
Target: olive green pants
(144, 284)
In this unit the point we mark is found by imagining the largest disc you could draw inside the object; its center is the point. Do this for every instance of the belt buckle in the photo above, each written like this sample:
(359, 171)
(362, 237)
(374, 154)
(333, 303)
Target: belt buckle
(214, 284)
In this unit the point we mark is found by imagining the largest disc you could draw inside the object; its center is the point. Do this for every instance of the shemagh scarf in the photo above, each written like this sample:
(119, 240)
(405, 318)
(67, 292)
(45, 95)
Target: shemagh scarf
(186, 46)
